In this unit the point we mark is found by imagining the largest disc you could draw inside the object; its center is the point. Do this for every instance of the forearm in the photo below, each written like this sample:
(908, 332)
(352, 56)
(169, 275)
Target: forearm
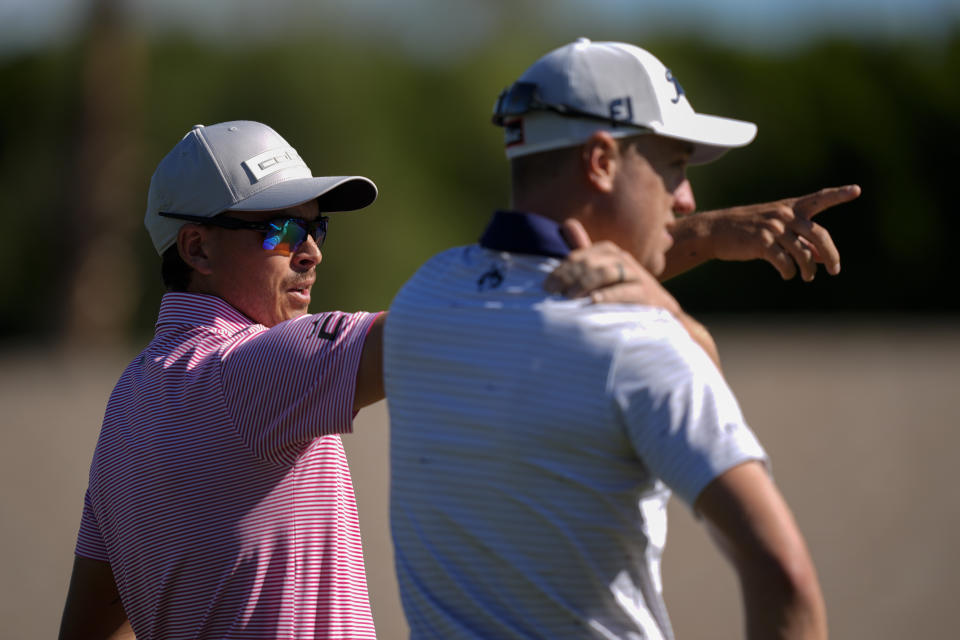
(785, 604)
(752, 524)
(90, 630)
(691, 244)
(93, 610)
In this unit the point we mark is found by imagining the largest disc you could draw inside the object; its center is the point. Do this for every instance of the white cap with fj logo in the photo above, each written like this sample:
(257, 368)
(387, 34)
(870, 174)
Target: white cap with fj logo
(583, 87)
(240, 166)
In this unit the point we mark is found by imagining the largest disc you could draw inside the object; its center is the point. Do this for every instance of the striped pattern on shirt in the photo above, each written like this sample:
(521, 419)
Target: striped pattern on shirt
(534, 445)
(219, 490)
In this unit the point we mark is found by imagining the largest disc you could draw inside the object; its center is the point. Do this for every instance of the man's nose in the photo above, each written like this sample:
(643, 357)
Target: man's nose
(307, 254)
(683, 200)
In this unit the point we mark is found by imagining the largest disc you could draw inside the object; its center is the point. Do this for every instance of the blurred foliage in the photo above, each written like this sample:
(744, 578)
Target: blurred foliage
(832, 113)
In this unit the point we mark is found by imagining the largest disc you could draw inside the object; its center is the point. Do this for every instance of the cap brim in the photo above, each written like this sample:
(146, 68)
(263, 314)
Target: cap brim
(334, 193)
(712, 136)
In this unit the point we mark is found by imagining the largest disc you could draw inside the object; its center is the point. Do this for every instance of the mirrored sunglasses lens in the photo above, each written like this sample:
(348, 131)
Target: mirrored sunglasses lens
(284, 235)
(320, 232)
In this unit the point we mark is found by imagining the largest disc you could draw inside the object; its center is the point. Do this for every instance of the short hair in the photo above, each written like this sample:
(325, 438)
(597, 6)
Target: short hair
(529, 171)
(175, 272)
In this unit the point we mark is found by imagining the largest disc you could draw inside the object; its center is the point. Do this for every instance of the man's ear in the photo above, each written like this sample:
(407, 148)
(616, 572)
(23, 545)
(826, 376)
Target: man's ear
(600, 156)
(193, 244)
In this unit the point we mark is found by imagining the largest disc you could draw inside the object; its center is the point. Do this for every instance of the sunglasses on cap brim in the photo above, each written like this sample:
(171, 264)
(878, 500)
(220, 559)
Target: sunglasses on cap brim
(280, 234)
(523, 97)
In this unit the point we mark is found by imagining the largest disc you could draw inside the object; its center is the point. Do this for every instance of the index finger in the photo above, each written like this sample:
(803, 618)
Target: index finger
(812, 204)
(574, 233)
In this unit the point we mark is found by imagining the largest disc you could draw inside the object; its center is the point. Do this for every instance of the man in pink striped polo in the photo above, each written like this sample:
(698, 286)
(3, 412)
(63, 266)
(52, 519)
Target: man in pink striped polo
(219, 502)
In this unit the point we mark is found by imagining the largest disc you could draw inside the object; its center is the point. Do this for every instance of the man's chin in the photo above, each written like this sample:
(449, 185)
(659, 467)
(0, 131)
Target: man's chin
(296, 303)
(656, 264)
(295, 313)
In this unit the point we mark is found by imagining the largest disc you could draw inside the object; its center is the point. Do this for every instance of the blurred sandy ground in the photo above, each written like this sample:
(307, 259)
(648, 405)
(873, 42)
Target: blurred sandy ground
(862, 424)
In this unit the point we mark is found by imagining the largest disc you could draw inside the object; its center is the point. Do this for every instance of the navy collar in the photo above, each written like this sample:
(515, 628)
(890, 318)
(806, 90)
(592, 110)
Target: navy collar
(522, 232)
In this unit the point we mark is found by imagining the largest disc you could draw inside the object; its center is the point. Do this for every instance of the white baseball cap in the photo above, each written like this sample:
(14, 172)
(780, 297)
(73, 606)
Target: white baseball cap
(240, 166)
(585, 86)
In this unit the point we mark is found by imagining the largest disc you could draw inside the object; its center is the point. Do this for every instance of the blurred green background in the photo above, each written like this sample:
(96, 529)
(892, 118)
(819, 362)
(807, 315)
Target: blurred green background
(402, 92)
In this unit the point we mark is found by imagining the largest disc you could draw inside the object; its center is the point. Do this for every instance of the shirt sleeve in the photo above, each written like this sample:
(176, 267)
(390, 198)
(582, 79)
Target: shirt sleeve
(292, 383)
(681, 416)
(89, 541)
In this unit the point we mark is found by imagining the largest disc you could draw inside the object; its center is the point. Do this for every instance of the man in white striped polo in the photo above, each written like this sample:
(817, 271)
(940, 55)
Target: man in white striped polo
(536, 440)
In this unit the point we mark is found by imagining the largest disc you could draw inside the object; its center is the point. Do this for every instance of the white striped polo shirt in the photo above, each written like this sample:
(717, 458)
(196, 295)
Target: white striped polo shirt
(219, 490)
(535, 442)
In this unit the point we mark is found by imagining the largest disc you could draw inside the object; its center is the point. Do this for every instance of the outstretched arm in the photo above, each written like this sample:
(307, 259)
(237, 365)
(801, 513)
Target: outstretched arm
(783, 233)
(753, 526)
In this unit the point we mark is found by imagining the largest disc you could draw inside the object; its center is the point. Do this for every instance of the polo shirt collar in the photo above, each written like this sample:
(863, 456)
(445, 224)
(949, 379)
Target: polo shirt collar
(197, 309)
(523, 232)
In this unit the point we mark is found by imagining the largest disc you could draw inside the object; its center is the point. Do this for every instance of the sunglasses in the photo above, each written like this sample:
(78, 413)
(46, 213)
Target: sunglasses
(281, 234)
(523, 97)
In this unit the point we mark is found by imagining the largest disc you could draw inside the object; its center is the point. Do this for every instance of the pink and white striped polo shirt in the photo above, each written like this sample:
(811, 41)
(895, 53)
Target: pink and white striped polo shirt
(219, 490)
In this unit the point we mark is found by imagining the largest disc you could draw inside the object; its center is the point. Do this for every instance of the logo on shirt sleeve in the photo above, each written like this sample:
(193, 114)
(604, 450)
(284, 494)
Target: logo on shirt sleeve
(323, 326)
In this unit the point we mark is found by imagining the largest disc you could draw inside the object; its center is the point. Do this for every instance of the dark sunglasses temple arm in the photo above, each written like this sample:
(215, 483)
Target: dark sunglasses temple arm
(227, 223)
(524, 94)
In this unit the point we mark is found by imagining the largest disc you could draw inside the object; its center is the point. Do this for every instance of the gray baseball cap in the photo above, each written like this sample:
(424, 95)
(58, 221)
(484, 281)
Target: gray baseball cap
(240, 166)
(585, 86)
